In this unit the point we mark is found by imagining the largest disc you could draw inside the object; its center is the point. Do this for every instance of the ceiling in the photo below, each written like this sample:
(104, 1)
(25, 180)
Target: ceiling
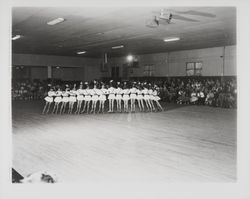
(96, 29)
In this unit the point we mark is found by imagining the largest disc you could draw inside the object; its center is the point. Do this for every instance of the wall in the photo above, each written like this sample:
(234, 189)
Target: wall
(174, 63)
(71, 68)
(71, 73)
(165, 64)
(230, 60)
(212, 59)
(39, 73)
(48, 60)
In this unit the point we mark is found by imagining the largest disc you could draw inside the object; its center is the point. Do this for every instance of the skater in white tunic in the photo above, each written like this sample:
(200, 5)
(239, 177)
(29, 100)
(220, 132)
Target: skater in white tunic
(146, 97)
(151, 97)
(80, 98)
(58, 100)
(95, 98)
(157, 98)
(133, 96)
(72, 99)
(87, 98)
(118, 97)
(140, 97)
(85, 94)
(125, 97)
(49, 100)
(111, 97)
(65, 99)
(102, 98)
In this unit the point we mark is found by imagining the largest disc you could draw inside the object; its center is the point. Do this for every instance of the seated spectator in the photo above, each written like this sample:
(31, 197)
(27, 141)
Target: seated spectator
(201, 97)
(209, 98)
(193, 98)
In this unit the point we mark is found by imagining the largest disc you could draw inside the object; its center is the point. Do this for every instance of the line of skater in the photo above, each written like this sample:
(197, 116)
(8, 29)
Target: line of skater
(91, 98)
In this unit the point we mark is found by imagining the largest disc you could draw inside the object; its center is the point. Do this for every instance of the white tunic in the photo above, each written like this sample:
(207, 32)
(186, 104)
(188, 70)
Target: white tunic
(79, 94)
(126, 94)
(139, 94)
(155, 95)
(58, 96)
(118, 93)
(145, 93)
(72, 97)
(87, 94)
(150, 92)
(103, 93)
(50, 96)
(133, 93)
(94, 94)
(111, 92)
(65, 95)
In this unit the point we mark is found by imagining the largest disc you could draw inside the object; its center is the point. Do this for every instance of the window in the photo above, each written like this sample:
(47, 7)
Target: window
(193, 68)
(149, 70)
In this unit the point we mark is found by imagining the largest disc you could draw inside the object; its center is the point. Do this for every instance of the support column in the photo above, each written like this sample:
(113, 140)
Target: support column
(49, 72)
(223, 63)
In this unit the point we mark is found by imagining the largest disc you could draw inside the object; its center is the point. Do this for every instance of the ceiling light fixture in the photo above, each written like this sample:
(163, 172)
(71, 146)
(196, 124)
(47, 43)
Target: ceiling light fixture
(16, 37)
(81, 52)
(130, 58)
(117, 47)
(56, 21)
(172, 39)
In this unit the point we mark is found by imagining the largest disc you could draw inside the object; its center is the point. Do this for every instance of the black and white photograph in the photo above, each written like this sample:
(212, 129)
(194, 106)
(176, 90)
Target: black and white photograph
(125, 95)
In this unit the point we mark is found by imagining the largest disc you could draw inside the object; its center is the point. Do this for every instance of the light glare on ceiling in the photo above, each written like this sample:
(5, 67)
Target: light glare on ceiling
(172, 39)
(16, 37)
(55, 21)
(81, 52)
(117, 47)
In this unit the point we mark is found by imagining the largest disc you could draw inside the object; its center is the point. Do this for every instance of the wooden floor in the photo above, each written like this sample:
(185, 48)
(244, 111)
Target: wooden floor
(182, 144)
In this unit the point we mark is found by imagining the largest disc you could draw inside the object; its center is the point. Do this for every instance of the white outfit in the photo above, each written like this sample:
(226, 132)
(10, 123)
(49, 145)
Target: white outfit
(139, 94)
(202, 94)
(65, 95)
(58, 96)
(102, 96)
(151, 96)
(155, 95)
(72, 97)
(87, 93)
(133, 93)
(94, 94)
(111, 92)
(126, 94)
(145, 93)
(118, 93)
(193, 97)
(79, 94)
(49, 98)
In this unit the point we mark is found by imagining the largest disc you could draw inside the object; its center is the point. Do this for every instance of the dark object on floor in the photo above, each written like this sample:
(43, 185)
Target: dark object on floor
(16, 177)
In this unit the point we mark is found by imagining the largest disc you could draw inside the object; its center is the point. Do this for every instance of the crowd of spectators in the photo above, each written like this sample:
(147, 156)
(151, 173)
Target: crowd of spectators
(202, 91)
(28, 90)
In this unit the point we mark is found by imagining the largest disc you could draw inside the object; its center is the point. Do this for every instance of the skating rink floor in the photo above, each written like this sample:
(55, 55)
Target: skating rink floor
(184, 143)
